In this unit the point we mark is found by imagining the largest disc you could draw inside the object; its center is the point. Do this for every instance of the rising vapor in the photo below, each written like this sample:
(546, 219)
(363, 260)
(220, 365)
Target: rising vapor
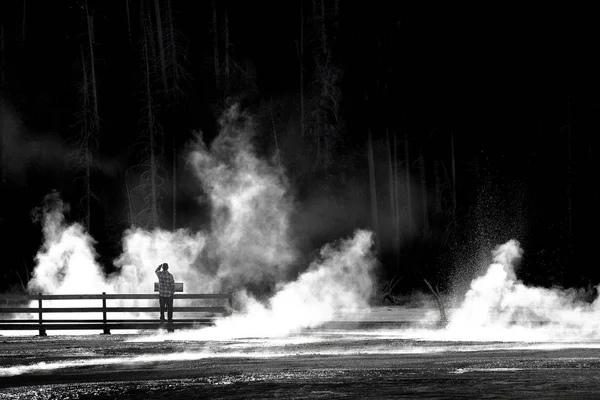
(335, 286)
(250, 239)
(247, 246)
(500, 307)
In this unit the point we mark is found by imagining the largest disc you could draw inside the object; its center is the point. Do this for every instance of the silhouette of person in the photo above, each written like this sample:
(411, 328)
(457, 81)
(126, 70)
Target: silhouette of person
(166, 288)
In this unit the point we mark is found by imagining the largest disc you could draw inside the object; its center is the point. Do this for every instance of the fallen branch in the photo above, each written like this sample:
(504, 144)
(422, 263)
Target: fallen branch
(436, 293)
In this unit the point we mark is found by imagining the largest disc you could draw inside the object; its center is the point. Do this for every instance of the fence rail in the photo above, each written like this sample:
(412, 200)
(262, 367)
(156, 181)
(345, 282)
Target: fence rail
(105, 324)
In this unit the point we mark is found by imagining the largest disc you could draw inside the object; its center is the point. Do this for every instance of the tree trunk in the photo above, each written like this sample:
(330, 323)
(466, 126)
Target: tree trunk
(128, 21)
(436, 293)
(174, 186)
(91, 130)
(90, 25)
(129, 201)
(227, 55)
(216, 49)
(88, 188)
(2, 56)
(397, 197)
(275, 135)
(423, 193)
(374, 212)
(2, 76)
(301, 68)
(323, 29)
(391, 186)
(151, 136)
(569, 170)
(23, 22)
(173, 45)
(408, 188)
(153, 165)
(161, 46)
(438, 187)
(453, 157)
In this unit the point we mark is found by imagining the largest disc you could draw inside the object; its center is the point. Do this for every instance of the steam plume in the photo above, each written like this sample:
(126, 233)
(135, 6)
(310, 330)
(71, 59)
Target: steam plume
(500, 307)
(248, 245)
(250, 219)
(66, 263)
(336, 285)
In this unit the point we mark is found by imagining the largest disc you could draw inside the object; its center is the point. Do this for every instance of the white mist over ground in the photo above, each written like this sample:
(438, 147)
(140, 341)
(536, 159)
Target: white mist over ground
(499, 307)
(336, 285)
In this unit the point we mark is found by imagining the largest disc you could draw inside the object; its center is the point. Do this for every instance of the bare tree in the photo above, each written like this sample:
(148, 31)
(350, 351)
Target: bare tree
(176, 77)
(227, 56)
(453, 160)
(569, 169)
(408, 185)
(423, 176)
(128, 20)
(392, 190)
(301, 57)
(163, 66)
(23, 22)
(216, 47)
(397, 197)
(2, 55)
(176, 60)
(442, 309)
(438, 186)
(83, 156)
(2, 67)
(161, 46)
(150, 168)
(325, 122)
(373, 186)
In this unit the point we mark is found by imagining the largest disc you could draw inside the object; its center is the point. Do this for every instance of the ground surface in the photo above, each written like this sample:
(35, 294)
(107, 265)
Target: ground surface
(330, 363)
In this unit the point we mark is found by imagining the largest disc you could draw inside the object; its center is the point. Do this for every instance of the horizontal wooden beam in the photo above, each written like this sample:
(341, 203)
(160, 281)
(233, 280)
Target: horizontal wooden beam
(13, 310)
(101, 326)
(25, 297)
(99, 321)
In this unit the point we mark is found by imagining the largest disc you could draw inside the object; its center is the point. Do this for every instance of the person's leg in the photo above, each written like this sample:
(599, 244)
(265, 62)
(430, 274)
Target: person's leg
(170, 308)
(162, 308)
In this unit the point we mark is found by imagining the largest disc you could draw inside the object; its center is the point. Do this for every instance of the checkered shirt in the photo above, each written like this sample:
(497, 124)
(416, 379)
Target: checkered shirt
(166, 284)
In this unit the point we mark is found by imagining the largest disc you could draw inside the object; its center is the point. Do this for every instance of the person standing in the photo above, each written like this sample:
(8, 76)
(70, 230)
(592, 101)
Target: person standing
(166, 288)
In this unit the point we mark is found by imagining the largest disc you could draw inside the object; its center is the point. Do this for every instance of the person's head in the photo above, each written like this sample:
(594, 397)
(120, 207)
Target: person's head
(165, 266)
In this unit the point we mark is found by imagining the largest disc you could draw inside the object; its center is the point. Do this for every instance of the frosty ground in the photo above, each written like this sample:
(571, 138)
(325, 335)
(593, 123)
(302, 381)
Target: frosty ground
(317, 363)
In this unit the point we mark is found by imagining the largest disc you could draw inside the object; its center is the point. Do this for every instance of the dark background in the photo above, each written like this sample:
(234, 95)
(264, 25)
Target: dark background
(513, 89)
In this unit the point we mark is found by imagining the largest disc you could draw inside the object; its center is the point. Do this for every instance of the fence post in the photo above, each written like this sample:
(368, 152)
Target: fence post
(42, 331)
(106, 330)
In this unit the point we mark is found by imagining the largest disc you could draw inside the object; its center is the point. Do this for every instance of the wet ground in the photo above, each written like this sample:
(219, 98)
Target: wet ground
(316, 364)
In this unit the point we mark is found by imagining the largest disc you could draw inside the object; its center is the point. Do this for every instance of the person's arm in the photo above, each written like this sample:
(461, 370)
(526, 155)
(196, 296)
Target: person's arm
(157, 269)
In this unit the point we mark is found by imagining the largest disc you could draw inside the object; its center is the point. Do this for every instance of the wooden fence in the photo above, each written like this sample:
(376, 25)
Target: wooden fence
(206, 314)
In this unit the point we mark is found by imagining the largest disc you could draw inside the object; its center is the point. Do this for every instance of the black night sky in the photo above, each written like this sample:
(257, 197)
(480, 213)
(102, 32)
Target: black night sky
(496, 108)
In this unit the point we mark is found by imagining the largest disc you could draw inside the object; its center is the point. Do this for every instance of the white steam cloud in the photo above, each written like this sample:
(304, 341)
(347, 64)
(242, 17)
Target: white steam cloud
(248, 246)
(66, 262)
(500, 307)
(251, 208)
(335, 286)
